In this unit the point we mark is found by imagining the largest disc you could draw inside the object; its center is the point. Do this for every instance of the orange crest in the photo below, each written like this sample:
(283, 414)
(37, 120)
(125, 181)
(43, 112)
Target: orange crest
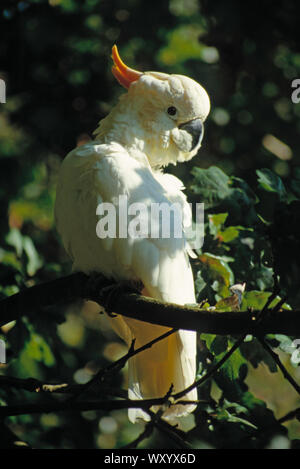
(121, 72)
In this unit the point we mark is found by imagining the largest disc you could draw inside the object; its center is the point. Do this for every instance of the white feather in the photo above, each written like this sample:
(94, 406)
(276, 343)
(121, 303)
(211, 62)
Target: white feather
(130, 142)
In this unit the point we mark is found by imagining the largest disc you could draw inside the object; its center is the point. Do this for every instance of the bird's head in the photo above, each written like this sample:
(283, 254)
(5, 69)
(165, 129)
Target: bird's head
(164, 114)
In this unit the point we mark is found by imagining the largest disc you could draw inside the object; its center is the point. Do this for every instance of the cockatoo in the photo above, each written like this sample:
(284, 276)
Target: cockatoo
(157, 122)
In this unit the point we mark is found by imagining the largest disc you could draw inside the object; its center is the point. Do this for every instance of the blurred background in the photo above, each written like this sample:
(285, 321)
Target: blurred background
(55, 61)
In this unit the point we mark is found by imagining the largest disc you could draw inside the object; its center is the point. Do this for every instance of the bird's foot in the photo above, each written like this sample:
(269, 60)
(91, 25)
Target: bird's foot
(110, 292)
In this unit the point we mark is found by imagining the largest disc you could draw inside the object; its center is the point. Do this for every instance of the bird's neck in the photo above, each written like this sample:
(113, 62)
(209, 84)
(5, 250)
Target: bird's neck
(123, 126)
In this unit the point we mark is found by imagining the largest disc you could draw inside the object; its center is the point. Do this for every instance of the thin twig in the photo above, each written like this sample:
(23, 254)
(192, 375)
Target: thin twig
(119, 364)
(276, 359)
(212, 370)
(177, 436)
(290, 415)
(173, 433)
(148, 430)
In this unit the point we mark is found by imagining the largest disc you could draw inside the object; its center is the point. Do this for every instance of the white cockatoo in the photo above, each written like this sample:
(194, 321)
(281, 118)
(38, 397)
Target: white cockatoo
(157, 122)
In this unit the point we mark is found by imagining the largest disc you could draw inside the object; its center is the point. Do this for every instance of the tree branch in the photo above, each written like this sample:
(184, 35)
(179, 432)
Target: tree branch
(80, 406)
(290, 416)
(276, 359)
(134, 305)
(35, 385)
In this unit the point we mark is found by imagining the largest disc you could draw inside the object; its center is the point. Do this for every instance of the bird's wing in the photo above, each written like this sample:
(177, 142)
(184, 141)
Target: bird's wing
(93, 174)
(96, 174)
(174, 188)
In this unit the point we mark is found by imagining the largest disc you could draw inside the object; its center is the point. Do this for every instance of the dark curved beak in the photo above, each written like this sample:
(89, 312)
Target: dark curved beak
(195, 129)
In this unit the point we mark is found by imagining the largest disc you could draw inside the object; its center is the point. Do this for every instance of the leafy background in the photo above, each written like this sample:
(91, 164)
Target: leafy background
(55, 59)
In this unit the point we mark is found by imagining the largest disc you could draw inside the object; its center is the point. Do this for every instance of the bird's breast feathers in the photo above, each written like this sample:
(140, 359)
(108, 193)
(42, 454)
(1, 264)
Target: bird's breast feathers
(96, 174)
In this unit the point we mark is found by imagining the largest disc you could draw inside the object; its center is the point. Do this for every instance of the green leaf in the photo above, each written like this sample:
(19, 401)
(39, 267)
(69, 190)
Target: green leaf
(183, 44)
(231, 195)
(15, 239)
(285, 342)
(216, 221)
(208, 338)
(229, 234)
(216, 269)
(257, 299)
(255, 353)
(34, 261)
(200, 283)
(225, 414)
(232, 366)
(289, 346)
(212, 185)
(38, 349)
(23, 244)
(236, 419)
(10, 260)
(219, 345)
(295, 183)
(270, 182)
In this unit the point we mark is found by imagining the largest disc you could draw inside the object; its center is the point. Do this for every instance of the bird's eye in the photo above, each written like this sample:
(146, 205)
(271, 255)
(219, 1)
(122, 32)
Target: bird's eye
(172, 111)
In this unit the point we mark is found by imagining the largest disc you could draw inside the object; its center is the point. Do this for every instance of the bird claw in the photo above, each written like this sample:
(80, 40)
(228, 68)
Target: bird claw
(109, 292)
